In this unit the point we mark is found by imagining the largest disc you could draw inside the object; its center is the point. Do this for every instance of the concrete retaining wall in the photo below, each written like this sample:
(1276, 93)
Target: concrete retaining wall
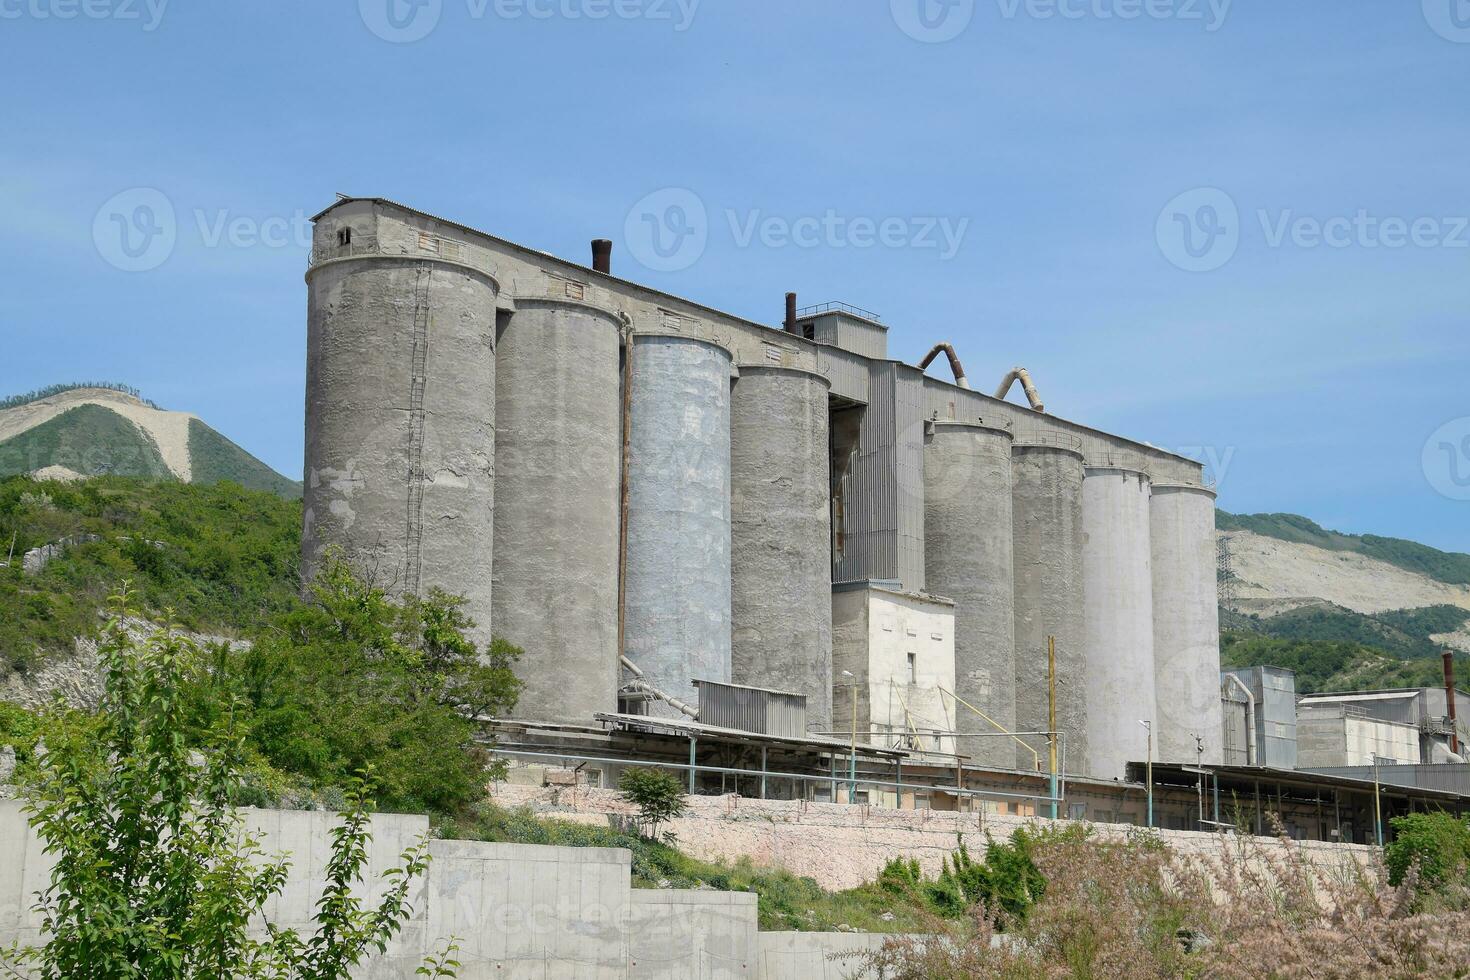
(518, 911)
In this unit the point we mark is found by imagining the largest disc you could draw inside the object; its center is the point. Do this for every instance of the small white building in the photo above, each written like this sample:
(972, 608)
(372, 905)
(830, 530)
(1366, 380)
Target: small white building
(892, 662)
(1407, 726)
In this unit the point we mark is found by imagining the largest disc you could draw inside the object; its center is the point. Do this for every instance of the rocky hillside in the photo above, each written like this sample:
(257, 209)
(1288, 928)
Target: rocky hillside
(69, 432)
(1345, 611)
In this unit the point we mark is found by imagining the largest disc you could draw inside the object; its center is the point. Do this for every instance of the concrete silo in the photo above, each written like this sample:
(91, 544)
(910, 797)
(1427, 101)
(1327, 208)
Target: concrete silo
(1118, 619)
(781, 536)
(558, 457)
(1046, 522)
(400, 425)
(1186, 623)
(968, 558)
(677, 603)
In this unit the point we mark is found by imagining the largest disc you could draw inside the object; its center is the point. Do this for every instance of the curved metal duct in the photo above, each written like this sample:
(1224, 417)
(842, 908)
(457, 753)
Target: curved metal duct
(954, 362)
(1020, 374)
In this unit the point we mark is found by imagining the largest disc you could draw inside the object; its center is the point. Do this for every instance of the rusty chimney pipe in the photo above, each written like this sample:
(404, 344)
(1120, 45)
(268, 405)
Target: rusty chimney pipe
(602, 256)
(1449, 697)
(791, 313)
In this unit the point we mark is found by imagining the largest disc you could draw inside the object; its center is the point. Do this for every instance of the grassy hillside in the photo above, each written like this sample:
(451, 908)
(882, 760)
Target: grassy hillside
(215, 458)
(222, 557)
(88, 439)
(26, 398)
(1442, 566)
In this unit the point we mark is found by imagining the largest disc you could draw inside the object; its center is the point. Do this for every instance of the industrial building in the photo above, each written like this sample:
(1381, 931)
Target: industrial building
(683, 515)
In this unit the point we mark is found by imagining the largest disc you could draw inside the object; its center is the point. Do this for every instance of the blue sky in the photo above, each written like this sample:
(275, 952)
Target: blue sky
(1069, 146)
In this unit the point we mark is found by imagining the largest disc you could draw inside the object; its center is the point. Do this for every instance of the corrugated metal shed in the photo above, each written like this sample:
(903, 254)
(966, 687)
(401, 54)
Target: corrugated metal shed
(752, 709)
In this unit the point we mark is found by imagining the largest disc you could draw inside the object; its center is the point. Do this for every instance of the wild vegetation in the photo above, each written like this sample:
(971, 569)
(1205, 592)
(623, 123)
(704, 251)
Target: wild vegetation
(223, 559)
(1442, 566)
(26, 398)
(1324, 665)
(1134, 908)
(155, 874)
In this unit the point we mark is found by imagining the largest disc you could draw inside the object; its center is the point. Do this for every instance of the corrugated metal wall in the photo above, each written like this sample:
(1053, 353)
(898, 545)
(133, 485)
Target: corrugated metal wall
(751, 709)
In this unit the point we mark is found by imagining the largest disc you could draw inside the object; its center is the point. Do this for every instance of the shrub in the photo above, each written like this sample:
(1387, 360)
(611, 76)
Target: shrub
(658, 795)
(1438, 843)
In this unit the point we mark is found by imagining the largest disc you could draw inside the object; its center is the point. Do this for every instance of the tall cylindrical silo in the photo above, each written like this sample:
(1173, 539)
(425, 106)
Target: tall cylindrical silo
(558, 458)
(1186, 624)
(781, 536)
(677, 604)
(968, 558)
(1118, 619)
(400, 425)
(1046, 502)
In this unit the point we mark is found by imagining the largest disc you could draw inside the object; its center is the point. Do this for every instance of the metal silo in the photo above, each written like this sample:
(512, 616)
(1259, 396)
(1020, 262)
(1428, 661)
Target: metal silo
(677, 604)
(1046, 522)
(1118, 619)
(558, 451)
(400, 425)
(968, 558)
(781, 536)
(1186, 623)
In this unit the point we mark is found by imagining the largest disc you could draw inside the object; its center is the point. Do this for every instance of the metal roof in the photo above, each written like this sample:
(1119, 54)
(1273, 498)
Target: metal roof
(1295, 777)
(687, 728)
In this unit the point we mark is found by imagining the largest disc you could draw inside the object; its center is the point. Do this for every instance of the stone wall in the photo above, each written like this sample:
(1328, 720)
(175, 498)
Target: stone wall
(841, 846)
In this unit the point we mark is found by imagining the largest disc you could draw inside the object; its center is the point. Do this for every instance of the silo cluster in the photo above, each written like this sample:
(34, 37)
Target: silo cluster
(641, 505)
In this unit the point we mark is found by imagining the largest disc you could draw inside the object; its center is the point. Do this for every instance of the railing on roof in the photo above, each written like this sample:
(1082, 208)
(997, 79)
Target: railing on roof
(838, 308)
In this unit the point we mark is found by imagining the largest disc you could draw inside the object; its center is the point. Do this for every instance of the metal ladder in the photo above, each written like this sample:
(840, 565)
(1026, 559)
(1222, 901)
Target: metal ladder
(418, 379)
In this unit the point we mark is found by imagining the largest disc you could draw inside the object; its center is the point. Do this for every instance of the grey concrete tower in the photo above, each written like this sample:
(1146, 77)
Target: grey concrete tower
(1118, 619)
(558, 452)
(781, 536)
(400, 424)
(1186, 624)
(968, 558)
(1047, 532)
(677, 624)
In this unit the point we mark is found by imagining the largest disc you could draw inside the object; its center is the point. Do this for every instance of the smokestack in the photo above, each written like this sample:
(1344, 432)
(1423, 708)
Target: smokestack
(1449, 697)
(602, 256)
(791, 313)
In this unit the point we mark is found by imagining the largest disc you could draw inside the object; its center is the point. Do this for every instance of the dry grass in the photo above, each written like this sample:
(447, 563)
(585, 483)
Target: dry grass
(1135, 909)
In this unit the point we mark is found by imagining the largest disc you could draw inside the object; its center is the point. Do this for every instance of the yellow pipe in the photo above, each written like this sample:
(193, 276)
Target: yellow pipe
(997, 726)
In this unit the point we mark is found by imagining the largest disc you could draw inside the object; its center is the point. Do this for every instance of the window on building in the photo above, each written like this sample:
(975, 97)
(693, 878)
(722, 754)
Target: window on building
(913, 669)
(344, 236)
(1077, 811)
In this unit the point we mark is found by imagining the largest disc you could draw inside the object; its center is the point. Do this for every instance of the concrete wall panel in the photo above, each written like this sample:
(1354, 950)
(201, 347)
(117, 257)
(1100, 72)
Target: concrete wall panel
(558, 455)
(968, 557)
(678, 588)
(400, 425)
(1118, 622)
(781, 570)
(1186, 624)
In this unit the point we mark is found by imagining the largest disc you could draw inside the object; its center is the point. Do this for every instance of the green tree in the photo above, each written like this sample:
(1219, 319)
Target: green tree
(658, 795)
(357, 679)
(155, 875)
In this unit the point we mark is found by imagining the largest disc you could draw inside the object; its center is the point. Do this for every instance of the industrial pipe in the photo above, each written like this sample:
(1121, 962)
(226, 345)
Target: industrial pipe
(642, 686)
(791, 313)
(602, 256)
(954, 362)
(1020, 374)
(1449, 697)
(1250, 719)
